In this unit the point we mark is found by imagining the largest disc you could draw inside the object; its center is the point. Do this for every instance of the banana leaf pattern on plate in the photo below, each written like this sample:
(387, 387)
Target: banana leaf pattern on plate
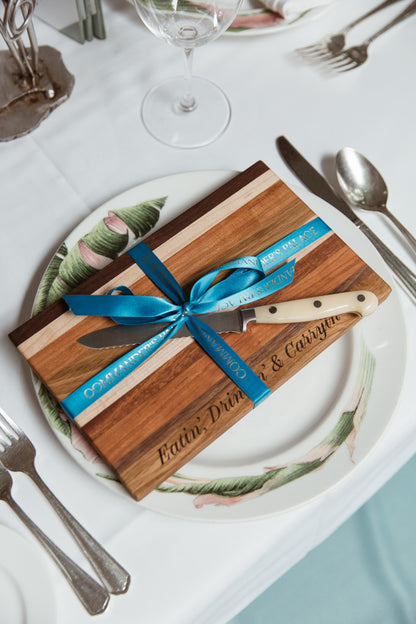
(111, 236)
(229, 491)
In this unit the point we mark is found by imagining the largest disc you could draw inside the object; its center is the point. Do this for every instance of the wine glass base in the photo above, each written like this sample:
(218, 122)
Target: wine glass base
(169, 123)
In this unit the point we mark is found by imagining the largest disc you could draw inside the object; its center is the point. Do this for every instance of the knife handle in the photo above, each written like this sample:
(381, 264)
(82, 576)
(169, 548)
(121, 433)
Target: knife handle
(361, 302)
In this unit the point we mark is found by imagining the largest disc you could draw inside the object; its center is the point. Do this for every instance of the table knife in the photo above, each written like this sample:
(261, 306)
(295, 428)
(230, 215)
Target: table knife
(313, 308)
(320, 187)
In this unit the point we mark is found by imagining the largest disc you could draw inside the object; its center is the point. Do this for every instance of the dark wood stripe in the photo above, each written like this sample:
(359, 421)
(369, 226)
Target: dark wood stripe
(155, 239)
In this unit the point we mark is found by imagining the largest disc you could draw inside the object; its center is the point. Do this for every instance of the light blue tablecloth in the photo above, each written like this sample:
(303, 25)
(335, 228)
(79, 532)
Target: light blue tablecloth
(364, 573)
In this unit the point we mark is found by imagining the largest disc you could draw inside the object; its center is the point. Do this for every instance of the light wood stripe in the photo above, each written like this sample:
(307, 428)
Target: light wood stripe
(67, 321)
(164, 354)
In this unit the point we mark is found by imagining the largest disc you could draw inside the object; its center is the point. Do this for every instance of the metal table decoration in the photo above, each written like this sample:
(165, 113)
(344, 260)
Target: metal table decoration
(33, 79)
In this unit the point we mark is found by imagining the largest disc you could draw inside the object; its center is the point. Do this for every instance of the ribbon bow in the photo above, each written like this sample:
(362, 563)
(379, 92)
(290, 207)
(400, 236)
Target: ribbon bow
(247, 282)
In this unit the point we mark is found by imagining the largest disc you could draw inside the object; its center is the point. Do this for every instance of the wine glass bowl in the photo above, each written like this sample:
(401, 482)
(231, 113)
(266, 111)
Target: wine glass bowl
(187, 111)
(183, 23)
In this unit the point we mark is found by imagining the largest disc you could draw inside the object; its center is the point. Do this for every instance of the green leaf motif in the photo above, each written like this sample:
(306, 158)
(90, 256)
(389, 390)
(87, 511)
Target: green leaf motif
(52, 412)
(68, 269)
(102, 244)
(141, 218)
(48, 279)
(235, 487)
(240, 486)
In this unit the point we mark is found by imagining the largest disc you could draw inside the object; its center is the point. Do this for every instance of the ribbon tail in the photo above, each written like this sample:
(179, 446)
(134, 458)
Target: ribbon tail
(157, 271)
(228, 360)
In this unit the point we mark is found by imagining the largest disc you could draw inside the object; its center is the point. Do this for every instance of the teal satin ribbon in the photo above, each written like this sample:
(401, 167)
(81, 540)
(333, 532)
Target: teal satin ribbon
(248, 282)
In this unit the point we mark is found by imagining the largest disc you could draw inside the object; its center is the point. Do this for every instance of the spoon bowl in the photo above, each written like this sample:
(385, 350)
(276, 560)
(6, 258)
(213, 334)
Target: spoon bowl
(360, 180)
(364, 187)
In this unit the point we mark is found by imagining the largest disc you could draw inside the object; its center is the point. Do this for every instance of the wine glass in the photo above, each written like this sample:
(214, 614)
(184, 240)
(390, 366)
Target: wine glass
(187, 111)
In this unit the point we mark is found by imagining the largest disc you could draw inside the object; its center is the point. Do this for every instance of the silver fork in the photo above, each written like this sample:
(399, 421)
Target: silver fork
(17, 453)
(357, 55)
(93, 596)
(333, 44)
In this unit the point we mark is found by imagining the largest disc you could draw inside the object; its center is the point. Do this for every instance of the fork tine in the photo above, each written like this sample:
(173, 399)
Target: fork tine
(343, 62)
(6, 431)
(310, 48)
(324, 55)
(10, 424)
(308, 53)
(344, 67)
(4, 439)
(318, 53)
(322, 50)
(337, 61)
(351, 66)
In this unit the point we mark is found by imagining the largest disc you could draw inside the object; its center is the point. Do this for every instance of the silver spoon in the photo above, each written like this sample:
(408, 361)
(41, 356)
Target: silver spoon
(365, 188)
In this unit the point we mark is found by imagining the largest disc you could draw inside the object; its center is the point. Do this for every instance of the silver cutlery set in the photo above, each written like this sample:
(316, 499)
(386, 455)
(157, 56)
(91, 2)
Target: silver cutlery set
(360, 183)
(331, 53)
(17, 454)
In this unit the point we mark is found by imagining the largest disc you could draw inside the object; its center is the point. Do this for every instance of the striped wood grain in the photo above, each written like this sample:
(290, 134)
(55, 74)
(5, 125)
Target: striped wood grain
(179, 401)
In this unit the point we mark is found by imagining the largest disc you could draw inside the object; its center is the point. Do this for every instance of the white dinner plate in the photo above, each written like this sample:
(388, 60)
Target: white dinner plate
(255, 19)
(26, 595)
(294, 446)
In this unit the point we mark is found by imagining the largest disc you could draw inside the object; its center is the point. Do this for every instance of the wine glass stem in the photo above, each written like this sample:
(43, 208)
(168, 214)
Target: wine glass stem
(187, 102)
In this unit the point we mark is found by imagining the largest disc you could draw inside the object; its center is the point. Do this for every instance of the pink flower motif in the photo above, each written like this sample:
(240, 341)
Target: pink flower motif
(257, 20)
(350, 443)
(79, 442)
(94, 260)
(223, 501)
(115, 224)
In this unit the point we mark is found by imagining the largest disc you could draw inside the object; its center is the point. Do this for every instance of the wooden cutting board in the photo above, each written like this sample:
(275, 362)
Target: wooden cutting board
(179, 401)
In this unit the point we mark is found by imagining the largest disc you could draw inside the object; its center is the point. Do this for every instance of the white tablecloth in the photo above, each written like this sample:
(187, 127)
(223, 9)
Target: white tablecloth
(93, 147)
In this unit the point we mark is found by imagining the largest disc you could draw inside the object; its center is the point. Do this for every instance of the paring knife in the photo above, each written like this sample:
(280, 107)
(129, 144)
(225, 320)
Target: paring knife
(320, 187)
(360, 302)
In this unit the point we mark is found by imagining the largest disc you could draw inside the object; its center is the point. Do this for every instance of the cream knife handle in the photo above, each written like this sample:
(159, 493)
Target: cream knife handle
(361, 302)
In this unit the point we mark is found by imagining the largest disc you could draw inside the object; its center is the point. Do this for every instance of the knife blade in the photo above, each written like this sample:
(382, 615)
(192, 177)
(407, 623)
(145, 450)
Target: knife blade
(312, 308)
(316, 183)
(313, 180)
